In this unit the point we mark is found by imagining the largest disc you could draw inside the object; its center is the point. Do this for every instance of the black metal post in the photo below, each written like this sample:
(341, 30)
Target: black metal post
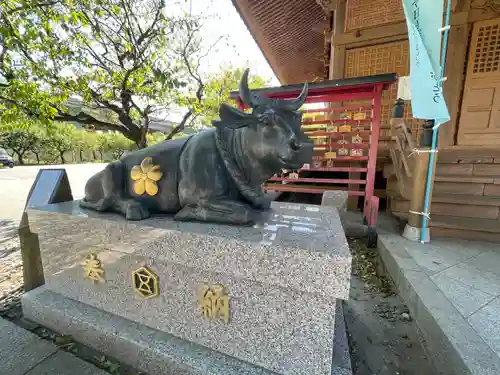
(426, 136)
(398, 110)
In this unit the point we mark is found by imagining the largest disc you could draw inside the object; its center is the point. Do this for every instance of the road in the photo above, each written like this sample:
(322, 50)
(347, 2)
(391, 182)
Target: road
(15, 184)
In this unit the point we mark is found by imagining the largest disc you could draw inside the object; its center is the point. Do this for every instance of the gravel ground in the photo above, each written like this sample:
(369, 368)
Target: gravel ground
(383, 337)
(11, 269)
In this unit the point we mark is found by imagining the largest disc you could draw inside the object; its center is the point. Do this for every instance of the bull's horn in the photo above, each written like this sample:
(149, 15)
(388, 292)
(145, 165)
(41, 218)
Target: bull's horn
(295, 104)
(245, 93)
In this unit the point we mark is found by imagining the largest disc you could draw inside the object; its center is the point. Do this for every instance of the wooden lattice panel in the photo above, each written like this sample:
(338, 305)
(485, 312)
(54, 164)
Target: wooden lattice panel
(485, 56)
(479, 123)
(362, 14)
(380, 59)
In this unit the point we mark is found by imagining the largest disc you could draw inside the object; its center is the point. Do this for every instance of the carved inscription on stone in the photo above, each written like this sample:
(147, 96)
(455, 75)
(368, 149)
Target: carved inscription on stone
(213, 302)
(93, 269)
(145, 282)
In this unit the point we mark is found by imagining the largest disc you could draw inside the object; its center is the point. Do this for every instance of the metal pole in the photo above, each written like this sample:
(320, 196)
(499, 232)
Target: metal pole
(435, 128)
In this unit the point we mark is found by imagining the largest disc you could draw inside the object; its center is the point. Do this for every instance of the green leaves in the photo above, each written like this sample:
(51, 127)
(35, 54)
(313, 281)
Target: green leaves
(20, 137)
(117, 58)
(217, 90)
(56, 143)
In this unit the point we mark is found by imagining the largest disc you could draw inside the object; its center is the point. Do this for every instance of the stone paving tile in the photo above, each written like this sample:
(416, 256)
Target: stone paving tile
(447, 327)
(21, 350)
(465, 298)
(454, 340)
(486, 322)
(488, 261)
(487, 282)
(442, 254)
(62, 363)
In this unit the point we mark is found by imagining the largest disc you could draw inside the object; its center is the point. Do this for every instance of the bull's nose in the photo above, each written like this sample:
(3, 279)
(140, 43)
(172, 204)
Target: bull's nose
(295, 144)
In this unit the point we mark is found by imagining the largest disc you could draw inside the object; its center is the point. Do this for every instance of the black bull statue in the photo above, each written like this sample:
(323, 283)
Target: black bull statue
(212, 176)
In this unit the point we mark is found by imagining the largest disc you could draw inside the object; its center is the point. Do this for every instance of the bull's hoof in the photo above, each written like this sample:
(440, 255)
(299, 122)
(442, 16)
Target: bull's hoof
(136, 211)
(103, 204)
(263, 203)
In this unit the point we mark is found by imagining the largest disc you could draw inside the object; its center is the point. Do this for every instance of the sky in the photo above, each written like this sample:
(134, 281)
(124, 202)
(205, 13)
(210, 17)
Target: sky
(237, 49)
(241, 48)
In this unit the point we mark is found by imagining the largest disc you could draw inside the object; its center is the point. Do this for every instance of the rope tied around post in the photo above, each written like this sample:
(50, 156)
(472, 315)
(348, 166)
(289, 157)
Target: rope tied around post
(426, 214)
(419, 151)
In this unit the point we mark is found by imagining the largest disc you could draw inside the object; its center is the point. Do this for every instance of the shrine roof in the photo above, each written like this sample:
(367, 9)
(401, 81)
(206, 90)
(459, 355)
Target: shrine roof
(289, 34)
(325, 87)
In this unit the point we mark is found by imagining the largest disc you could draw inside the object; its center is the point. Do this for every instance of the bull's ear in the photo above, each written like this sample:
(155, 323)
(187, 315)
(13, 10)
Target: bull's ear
(233, 118)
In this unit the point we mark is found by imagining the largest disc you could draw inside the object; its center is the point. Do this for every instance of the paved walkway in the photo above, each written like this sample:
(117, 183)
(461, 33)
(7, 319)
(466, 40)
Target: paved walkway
(16, 183)
(23, 353)
(452, 288)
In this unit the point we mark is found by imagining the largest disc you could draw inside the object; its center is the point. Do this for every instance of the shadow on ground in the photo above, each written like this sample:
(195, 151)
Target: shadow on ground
(8, 238)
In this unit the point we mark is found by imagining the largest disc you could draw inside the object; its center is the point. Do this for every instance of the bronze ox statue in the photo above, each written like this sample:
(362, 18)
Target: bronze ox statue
(212, 176)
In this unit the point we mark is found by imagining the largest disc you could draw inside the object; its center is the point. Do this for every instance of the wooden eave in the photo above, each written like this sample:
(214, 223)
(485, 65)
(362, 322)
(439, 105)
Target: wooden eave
(324, 87)
(289, 36)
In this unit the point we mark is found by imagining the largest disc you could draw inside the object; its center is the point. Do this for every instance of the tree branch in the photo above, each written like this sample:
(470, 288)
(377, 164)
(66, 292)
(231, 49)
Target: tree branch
(40, 4)
(86, 119)
(81, 117)
(180, 127)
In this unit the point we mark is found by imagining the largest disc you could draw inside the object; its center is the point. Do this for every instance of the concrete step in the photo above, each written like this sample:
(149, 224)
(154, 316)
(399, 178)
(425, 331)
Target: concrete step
(481, 169)
(465, 206)
(459, 223)
(478, 200)
(465, 179)
(474, 155)
(22, 352)
(467, 228)
(466, 223)
(455, 186)
(440, 284)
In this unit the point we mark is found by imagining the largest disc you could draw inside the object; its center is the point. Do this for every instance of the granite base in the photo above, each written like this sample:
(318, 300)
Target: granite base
(147, 349)
(281, 278)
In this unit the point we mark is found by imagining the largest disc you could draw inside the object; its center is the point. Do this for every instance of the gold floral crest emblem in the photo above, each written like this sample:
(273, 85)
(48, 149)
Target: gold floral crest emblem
(145, 177)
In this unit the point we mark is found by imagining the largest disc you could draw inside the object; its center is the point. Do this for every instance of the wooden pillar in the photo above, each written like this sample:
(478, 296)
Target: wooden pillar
(419, 179)
(337, 67)
(337, 60)
(452, 90)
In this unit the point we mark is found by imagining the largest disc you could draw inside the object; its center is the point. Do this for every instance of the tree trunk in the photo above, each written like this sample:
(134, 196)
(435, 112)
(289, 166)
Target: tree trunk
(100, 152)
(94, 155)
(61, 154)
(20, 155)
(37, 157)
(143, 141)
(81, 155)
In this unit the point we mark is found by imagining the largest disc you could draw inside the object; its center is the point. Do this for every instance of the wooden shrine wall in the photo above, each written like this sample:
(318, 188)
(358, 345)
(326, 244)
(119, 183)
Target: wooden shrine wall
(370, 37)
(362, 14)
(378, 59)
(480, 113)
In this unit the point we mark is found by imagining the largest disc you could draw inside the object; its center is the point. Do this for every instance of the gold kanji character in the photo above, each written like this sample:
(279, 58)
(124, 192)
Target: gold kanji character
(93, 268)
(214, 303)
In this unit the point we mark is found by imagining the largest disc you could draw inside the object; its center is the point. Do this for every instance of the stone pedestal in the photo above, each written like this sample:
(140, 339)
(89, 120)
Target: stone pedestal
(254, 300)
